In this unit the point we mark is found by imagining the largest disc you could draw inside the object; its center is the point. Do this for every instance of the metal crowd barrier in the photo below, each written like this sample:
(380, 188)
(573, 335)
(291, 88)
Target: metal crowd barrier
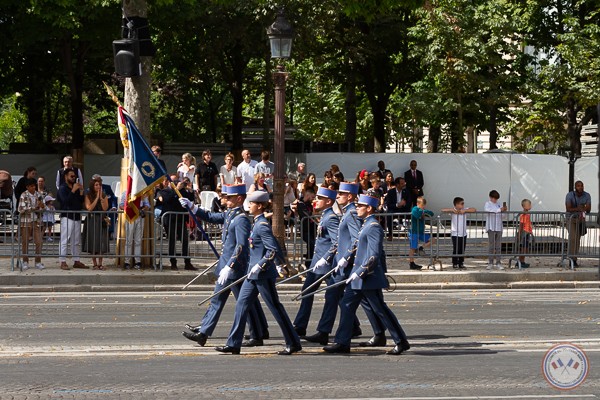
(554, 236)
(583, 238)
(549, 239)
(8, 236)
(175, 227)
(396, 246)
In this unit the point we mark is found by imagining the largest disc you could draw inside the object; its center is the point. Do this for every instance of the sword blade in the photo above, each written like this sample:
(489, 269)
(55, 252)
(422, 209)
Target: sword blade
(200, 274)
(226, 288)
(315, 283)
(295, 276)
(321, 290)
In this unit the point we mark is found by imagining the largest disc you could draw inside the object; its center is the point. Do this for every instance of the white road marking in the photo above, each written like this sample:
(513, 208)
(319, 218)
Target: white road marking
(524, 396)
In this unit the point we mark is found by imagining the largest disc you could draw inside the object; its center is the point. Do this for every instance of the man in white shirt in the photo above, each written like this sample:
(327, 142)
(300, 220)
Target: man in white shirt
(246, 169)
(266, 167)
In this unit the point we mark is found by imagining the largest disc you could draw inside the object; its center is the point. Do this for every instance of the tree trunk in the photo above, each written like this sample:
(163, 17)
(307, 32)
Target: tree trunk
(34, 104)
(266, 123)
(350, 107)
(435, 132)
(379, 126)
(238, 65)
(455, 132)
(137, 88)
(573, 128)
(493, 127)
(237, 119)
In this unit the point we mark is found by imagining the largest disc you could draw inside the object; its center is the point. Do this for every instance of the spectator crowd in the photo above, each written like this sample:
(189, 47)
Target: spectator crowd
(87, 211)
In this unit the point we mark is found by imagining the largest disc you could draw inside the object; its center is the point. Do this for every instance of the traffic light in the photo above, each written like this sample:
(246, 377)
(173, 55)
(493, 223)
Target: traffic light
(127, 57)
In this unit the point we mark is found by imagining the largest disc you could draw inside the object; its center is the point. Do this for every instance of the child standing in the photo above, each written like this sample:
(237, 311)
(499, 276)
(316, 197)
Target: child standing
(48, 220)
(417, 231)
(458, 231)
(525, 232)
(493, 226)
(31, 204)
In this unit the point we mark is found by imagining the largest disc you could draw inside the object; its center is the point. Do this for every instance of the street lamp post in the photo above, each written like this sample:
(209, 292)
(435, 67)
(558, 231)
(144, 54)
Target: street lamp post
(280, 35)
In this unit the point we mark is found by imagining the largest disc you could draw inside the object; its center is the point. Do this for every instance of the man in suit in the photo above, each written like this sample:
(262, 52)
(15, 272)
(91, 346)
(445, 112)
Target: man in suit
(325, 246)
(414, 182)
(382, 171)
(174, 222)
(397, 200)
(232, 265)
(367, 281)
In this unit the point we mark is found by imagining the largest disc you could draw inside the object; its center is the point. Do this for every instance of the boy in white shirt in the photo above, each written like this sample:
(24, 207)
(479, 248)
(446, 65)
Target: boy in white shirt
(493, 226)
(458, 231)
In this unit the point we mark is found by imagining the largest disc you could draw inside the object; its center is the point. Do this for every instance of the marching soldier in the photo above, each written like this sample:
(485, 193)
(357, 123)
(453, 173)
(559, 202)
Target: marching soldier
(232, 266)
(262, 272)
(327, 232)
(366, 282)
(344, 257)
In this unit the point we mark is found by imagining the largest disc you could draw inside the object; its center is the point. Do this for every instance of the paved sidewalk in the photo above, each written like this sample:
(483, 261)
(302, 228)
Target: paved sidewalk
(543, 273)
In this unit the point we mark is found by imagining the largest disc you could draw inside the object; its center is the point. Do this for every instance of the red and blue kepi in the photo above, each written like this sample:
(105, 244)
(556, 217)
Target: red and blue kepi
(236, 190)
(348, 187)
(327, 193)
(368, 200)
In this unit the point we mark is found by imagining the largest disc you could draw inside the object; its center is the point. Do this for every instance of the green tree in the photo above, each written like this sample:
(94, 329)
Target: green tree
(565, 80)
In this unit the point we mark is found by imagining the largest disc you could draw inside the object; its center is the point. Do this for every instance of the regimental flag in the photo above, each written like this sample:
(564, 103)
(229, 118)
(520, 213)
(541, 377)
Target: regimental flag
(144, 170)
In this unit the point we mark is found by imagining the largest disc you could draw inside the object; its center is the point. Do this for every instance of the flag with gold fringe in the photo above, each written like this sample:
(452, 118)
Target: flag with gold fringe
(144, 171)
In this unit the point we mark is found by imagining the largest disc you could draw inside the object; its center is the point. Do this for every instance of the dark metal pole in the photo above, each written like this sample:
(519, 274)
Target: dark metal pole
(280, 76)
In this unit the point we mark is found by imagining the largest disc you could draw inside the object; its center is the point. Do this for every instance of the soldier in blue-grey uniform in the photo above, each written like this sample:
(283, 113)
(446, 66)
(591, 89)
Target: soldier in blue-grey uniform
(325, 246)
(347, 234)
(262, 272)
(232, 265)
(367, 281)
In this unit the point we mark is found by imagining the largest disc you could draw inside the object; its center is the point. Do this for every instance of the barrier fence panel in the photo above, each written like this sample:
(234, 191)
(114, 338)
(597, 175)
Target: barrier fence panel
(402, 236)
(583, 236)
(397, 229)
(8, 236)
(554, 235)
(505, 240)
(179, 239)
(76, 234)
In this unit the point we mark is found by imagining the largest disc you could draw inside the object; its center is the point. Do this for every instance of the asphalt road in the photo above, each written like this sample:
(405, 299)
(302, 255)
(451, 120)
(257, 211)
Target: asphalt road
(465, 345)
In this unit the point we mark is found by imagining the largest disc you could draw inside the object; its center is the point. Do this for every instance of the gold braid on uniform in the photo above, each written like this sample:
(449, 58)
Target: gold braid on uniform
(368, 266)
(236, 253)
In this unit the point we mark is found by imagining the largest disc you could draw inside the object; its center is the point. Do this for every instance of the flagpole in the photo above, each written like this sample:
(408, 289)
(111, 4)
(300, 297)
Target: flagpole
(204, 234)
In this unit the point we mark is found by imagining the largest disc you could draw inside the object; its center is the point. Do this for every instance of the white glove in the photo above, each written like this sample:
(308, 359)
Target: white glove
(185, 203)
(343, 263)
(253, 274)
(280, 270)
(319, 267)
(224, 275)
(353, 277)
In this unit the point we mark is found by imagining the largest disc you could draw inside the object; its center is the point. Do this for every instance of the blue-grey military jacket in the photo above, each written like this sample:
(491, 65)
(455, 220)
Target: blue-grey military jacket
(236, 231)
(264, 249)
(327, 236)
(369, 262)
(349, 227)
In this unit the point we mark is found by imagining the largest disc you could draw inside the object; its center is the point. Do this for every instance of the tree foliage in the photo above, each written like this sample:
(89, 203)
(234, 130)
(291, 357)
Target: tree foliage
(368, 72)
